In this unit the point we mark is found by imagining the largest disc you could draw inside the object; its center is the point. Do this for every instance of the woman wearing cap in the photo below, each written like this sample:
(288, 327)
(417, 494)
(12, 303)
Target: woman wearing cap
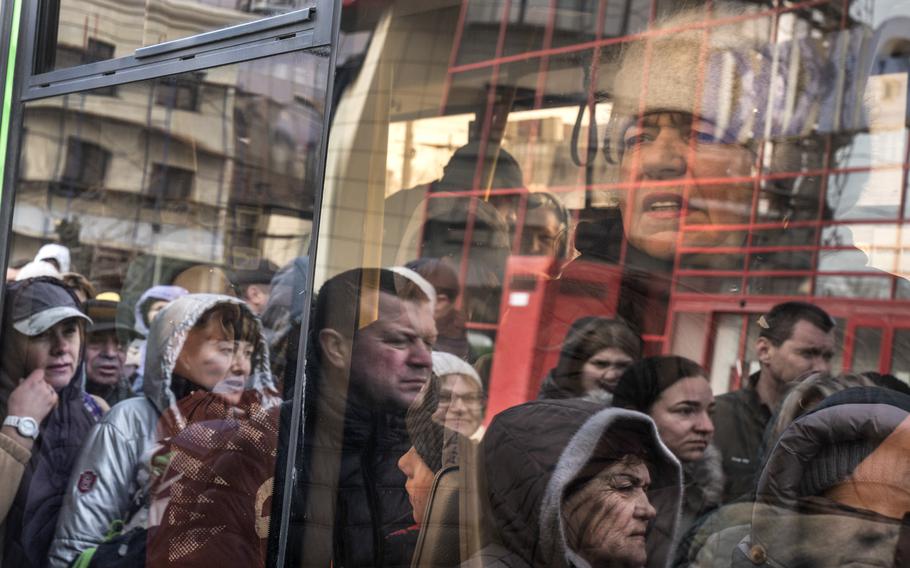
(46, 412)
(676, 394)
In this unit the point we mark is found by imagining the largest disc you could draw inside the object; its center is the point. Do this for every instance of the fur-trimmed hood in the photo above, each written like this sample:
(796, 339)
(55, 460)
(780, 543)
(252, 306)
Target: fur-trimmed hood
(703, 484)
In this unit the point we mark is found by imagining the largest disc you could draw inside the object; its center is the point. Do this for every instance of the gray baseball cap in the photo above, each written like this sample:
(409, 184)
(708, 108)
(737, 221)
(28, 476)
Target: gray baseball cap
(39, 304)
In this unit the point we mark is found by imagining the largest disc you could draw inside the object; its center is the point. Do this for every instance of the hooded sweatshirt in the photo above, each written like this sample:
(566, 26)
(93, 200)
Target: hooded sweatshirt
(533, 452)
(112, 477)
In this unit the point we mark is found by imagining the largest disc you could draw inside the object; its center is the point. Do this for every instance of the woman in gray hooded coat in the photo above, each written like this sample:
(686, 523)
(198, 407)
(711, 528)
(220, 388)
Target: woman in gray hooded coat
(571, 484)
(190, 352)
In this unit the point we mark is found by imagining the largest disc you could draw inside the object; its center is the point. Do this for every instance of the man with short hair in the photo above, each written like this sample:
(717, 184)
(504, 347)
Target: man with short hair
(369, 357)
(796, 338)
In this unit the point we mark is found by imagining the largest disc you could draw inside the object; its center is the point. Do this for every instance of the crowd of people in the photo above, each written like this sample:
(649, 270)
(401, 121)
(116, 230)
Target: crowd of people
(158, 427)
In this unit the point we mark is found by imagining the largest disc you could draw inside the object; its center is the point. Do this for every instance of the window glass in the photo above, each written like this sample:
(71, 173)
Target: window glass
(682, 209)
(867, 346)
(76, 32)
(156, 322)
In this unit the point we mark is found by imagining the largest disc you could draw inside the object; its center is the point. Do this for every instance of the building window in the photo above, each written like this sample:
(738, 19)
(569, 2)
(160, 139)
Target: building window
(85, 167)
(170, 183)
(180, 93)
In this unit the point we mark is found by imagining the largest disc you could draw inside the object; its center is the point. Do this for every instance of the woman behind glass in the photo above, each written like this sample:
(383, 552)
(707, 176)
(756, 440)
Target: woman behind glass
(594, 355)
(676, 394)
(46, 412)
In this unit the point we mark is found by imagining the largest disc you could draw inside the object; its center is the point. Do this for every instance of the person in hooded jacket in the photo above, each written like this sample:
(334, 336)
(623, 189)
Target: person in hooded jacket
(210, 505)
(676, 394)
(146, 310)
(432, 449)
(594, 355)
(570, 483)
(835, 490)
(190, 352)
(46, 416)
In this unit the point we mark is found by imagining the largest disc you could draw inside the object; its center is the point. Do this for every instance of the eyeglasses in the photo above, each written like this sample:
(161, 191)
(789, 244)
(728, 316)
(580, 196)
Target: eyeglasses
(470, 399)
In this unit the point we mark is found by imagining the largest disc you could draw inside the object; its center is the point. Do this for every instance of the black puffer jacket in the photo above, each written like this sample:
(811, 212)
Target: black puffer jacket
(350, 494)
(532, 452)
(793, 525)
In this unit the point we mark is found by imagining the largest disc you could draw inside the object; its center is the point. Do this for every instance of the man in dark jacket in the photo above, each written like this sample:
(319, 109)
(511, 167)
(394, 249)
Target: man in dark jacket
(370, 354)
(796, 338)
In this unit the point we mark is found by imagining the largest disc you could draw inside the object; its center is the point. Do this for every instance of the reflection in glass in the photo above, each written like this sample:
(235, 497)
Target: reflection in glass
(87, 31)
(186, 203)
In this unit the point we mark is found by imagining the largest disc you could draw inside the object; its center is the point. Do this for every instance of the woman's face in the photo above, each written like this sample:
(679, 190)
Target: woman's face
(680, 175)
(207, 355)
(603, 369)
(607, 519)
(419, 481)
(57, 351)
(460, 404)
(231, 388)
(682, 415)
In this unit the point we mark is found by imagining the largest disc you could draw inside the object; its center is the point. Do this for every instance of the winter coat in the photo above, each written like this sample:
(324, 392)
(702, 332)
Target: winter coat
(35, 481)
(350, 504)
(703, 487)
(740, 420)
(791, 523)
(211, 504)
(111, 478)
(532, 453)
(41, 489)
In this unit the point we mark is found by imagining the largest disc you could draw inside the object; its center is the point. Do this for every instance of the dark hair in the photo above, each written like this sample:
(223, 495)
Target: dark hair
(546, 202)
(888, 381)
(79, 283)
(641, 384)
(777, 325)
(340, 301)
(587, 337)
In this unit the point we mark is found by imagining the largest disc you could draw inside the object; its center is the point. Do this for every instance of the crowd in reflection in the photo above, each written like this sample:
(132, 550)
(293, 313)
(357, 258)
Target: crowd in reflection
(151, 428)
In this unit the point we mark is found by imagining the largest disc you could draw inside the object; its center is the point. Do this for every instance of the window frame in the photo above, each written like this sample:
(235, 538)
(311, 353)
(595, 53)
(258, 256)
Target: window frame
(315, 28)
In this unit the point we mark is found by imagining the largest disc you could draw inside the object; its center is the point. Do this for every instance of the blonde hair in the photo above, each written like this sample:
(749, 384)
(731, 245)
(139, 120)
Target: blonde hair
(805, 395)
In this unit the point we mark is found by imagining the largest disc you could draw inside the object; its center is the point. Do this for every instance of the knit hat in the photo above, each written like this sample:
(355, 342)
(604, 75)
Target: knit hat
(103, 313)
(426, 435)
(448, 364)
(728, 73)
(859, 456)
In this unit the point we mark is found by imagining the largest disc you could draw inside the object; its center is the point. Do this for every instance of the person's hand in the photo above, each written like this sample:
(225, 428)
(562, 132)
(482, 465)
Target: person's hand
(33, 397)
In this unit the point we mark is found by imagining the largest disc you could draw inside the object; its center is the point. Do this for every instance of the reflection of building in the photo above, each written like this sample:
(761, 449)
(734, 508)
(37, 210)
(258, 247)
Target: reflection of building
(516, 76)
(205, 166)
